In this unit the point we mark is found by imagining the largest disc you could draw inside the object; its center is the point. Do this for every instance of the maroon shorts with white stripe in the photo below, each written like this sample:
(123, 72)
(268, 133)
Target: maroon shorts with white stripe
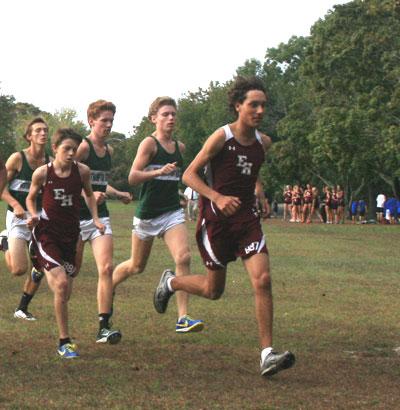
(50, 252)
(220, 242)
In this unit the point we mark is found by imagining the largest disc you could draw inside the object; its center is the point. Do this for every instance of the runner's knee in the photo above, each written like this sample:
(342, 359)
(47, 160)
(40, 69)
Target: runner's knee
(106, 270)
(19, 270)
(263, 282)
(214, 292)
(183, 258)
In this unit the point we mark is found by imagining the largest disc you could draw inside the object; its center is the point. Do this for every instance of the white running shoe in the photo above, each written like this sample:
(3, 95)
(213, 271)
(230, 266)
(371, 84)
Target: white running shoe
(20, 314)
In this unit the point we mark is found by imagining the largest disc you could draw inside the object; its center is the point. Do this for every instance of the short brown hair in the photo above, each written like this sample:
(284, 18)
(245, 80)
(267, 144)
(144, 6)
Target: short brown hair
(96, 108)
(28, 129)
(63, 134)
(158, 103)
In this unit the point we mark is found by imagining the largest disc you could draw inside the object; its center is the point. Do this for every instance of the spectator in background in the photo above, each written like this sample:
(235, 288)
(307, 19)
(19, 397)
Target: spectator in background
(340, 205)
(362, 210)
(296, 203)
(287, 202)
(315, 205)
(390, 210)
(308, 199)
(328, 204)
(353, 211)
(380, 204)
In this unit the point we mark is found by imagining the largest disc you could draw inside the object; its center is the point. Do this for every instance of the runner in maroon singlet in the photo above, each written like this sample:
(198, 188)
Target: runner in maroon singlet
(228, 225)
(308, 199)
(56, 230)
(287, 202)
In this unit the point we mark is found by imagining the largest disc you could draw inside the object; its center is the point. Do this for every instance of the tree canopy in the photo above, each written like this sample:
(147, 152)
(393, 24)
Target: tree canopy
(333, 109)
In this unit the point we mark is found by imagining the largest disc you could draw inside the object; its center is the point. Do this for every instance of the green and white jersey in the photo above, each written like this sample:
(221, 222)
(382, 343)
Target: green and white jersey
(160, 195)
(19, 186)
(100, 168)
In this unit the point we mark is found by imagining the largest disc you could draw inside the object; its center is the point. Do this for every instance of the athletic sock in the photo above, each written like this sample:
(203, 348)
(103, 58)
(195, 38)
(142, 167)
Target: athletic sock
(103, 320)
(25, 300)
(169, 285)
(265, 352)
(64, 341)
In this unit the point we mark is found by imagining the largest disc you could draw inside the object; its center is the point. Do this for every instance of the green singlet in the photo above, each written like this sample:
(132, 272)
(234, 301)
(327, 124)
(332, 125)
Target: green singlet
(100, 168)
(20, 184)
(160, 195)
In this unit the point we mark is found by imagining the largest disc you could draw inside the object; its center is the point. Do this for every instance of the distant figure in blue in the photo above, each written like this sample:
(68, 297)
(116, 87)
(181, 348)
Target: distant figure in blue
(362, 210)
(398, 211)
(353, 211)
(390, 210)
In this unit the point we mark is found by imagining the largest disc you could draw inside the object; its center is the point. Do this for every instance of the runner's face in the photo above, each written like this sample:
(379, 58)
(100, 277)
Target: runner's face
(165, 118)
(101, 126)
(39, 133)
(66, 151)
(251, 111)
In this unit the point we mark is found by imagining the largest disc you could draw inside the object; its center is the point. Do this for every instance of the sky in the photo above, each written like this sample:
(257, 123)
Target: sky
(59, 54)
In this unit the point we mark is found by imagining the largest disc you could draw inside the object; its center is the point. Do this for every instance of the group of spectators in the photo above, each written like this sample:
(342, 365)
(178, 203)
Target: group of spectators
(387, 209)
(306, 204)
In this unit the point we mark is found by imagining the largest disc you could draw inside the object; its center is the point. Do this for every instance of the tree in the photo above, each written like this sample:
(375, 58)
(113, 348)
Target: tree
(7, 116)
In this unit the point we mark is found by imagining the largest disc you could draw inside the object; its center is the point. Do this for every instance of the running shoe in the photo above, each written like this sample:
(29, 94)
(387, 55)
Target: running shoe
(162, 293)
(36, 275)
(68, 351)
(21, 314)
(187, 324)
(276, 362)
(3, 240)
(108, 336)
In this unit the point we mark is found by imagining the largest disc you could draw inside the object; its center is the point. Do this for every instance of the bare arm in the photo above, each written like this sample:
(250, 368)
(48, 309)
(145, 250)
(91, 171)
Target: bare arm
(228, 205)
(38, 179)
(13, 165)
(124, 197)
(145, 153)
(89, 196)
(82, 153)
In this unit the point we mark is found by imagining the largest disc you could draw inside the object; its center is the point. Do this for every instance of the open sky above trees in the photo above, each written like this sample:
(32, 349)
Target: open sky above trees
(57, 54)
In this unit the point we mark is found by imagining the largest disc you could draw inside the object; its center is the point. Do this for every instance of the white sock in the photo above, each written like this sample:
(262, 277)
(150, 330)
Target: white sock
(265, 352)
(169, 285)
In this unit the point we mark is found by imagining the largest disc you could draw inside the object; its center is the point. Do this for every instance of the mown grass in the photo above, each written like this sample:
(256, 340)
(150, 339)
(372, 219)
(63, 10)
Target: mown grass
(336, 296)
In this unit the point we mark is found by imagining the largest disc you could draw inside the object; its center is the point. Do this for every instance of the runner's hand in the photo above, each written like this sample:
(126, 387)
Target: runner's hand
(101, 227)
(228, 205)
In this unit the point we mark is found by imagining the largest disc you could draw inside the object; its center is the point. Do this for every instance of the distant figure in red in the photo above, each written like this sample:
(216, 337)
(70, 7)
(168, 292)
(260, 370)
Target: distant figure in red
(340, 205)
(287, 202)
(56, 231)
(328, 204)
(307, 198)
(296, 204)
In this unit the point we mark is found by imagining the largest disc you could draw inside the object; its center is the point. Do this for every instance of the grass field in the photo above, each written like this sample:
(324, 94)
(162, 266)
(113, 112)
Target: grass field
(337, 305)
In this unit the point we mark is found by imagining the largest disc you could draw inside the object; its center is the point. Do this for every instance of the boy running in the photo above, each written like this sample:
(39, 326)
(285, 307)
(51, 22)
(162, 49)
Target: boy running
(56, 230)
(228, 226)
(157, 166)
(96, 154)
(20, 167)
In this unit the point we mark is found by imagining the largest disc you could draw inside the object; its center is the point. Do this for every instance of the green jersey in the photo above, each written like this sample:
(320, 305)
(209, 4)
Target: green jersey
(160, 195)
(100, 168)
(20, 184)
